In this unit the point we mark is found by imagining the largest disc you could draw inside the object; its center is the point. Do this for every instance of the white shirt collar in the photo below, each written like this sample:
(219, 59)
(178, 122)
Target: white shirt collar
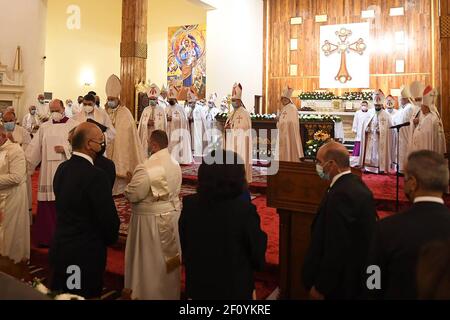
(429, 199)
(85, 156)
(336, 178)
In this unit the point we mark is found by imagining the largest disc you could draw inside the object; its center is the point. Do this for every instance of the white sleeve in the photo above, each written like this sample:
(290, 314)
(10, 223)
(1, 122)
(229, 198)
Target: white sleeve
(139, 187)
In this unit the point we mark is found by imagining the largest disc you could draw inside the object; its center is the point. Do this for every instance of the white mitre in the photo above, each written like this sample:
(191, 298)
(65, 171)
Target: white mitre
(113, 86)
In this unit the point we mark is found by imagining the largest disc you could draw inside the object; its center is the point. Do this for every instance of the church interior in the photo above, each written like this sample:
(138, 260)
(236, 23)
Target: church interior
(373, 76)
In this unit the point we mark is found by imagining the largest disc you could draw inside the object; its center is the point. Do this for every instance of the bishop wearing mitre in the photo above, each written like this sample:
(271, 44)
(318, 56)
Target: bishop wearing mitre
(178, 129)
(289, 146)
(126, 150)
(153, 118)
(238, 131)
(405, 114)
(377, 138)
(428, 133)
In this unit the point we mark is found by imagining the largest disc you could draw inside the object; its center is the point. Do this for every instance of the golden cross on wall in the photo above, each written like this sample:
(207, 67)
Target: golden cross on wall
(344, 47)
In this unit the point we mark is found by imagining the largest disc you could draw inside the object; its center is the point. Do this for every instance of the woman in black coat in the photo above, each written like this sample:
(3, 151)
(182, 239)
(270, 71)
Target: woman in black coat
(221, 239)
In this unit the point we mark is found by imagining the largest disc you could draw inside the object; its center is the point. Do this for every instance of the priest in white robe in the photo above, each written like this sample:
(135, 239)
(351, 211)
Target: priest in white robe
(14, 218)
(357, 128)
(126, 149)
(198, 126)
(213, 132)
(50, 147)
(427, 133)
(153, 253)
(377, 137)
(224, 108)
(42, 109)
(153, 118)
(178, 130)
(78, 107)
(289, 143)
(69, 109)
(31, 121)
(90, 111)
(406, 111)
(395, 114)
(22, 137)
(238, 132)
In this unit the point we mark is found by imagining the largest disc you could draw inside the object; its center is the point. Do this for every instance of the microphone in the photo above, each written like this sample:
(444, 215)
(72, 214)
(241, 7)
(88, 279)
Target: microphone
(406, 124)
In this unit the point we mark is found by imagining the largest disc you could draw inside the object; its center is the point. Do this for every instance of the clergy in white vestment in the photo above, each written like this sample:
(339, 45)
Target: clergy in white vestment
(126, 148)
(198, 126)
(152, 254)
(213, 132)
(78, 107)
(30, 121)
(405, 114)
(69, 109)
(191, 100)
(426, 134)
(162, 99)
(224, 105)
(377, 137)
(178, 130)
(90, 111)
(394, 113)
(357, 128)
(289, 143)
(50, 147)
(42, 109)
(14, 217)
(153, 118)
(238, 132)
(22, 137)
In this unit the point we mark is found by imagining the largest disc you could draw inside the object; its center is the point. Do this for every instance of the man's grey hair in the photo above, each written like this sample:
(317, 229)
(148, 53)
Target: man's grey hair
(430, 170)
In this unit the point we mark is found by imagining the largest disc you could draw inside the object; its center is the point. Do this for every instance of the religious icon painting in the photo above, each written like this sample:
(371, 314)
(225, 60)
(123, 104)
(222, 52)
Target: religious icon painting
(345, 56)
(186, 63)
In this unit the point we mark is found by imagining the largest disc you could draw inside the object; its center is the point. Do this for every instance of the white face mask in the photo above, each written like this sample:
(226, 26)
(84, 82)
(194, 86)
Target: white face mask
(57, 117)
(88, 109)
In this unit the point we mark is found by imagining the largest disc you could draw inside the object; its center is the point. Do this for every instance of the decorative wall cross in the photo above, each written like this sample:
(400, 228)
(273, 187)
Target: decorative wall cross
(344, 47)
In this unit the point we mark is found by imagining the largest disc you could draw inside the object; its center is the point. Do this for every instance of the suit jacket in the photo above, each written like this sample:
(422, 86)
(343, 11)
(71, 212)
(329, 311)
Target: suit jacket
(397, 243)
(340, 239)
(222, 245)
(108, 166)
(87, 222)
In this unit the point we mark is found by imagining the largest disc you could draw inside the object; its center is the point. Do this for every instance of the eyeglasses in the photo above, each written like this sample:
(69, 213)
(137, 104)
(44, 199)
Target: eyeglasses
(101, 144)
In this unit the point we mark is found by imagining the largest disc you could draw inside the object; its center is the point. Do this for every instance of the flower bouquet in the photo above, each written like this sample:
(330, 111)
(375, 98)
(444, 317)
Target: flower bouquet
(264, 117)
(313, 146)
(320, 117)
(37, 284)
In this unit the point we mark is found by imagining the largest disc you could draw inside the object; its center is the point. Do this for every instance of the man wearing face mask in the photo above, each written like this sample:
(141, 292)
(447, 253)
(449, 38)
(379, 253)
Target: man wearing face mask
(99, 115)
(376, 144)
(335, 263)
(398, 240)
(406, 112)
(289, 146)
(31, 121)
(358, 122)
(153, 241)
(69, 109)
(198, 126)
(50, 148)
(162, 99)
(395, 118)
(238, 131)
(153, 118)
(213, 133)
(14, 218)
(178, 130)
(42, 109)
(87, 216)
(126, 150)
(78, 107)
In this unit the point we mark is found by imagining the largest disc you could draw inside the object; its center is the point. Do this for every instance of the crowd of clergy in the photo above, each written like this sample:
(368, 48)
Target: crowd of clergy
(148, 174)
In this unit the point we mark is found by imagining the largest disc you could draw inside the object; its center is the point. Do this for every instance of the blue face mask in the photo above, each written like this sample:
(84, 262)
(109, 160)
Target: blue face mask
(10, 126)
(112, 104)
(321, 173)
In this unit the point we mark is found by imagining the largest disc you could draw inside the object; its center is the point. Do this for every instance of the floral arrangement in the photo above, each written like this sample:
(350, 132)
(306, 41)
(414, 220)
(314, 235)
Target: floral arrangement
(320, 117)
(313, 146)
(37, 284)
(317, 96)
(263, 116)
(357, 96)
(222, 116)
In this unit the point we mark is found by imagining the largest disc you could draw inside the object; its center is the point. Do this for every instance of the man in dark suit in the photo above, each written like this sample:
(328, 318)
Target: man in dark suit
(87, 220)
(341, 231)
(398, 239)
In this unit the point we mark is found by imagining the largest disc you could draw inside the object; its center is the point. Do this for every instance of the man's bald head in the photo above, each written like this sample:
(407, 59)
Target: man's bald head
(9, 116)
(337, 152)
(84, 133)
(56, 106)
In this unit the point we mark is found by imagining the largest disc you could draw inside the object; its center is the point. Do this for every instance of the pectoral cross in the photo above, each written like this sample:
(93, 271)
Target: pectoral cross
(344, 48)
(160, 116)
(239, 119)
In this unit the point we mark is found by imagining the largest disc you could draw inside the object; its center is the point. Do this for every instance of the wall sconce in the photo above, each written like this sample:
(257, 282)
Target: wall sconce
(87, 78)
